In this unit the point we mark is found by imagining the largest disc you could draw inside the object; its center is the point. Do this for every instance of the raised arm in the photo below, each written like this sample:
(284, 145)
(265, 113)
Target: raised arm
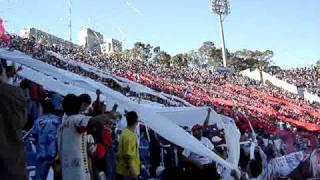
(206, 121)
(98, 93)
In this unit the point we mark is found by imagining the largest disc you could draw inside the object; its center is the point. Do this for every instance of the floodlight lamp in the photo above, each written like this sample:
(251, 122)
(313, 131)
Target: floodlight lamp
(221, 7)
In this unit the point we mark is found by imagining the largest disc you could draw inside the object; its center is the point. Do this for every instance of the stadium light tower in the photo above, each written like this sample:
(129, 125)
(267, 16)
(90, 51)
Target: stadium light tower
(222, 8)
(70, 20)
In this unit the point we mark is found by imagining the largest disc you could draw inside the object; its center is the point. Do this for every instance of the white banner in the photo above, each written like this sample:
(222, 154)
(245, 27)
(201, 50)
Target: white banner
(232, 135)
(283, 166)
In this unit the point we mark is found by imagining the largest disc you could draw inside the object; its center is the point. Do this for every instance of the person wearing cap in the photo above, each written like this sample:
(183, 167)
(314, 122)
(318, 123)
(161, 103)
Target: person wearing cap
(202, 167)
(128, 159)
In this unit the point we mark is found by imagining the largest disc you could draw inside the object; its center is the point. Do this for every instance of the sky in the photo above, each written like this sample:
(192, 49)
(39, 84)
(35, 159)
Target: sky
(290, 28)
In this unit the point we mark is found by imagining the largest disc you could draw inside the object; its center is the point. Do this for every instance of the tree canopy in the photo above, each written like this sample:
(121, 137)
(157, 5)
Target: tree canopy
(206, 55)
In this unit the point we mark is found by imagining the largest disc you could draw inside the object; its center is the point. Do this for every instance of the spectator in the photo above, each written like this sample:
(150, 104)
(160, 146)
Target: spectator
(12, 119)
(11, 73)
(98, 106)
(85, 101)
(32, 92)
(255, 166)
(128, 160)
(229, 94)
(104, 161)
(56, 101)
(45, 132)
(201, 167)
(73, 139)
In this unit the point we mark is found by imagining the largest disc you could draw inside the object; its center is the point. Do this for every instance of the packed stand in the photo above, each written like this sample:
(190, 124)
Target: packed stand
(173, 83)
(307, 77)
(90, 146)
(200, 87)
(29, 46)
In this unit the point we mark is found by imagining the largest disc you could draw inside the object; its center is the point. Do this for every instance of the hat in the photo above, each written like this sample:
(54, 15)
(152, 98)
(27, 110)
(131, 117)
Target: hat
(196, 127)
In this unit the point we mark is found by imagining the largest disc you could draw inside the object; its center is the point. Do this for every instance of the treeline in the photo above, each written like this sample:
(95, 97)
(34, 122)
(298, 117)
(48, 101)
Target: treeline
(207, 55)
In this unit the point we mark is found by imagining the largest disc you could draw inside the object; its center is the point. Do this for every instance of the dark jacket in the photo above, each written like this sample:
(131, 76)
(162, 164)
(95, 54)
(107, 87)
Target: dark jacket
(12, 119)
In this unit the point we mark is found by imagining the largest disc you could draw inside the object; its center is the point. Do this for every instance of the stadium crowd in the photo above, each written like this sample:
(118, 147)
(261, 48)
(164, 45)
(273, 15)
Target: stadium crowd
(29, 46)
(307, 77)
(282, 123)
(187, 81)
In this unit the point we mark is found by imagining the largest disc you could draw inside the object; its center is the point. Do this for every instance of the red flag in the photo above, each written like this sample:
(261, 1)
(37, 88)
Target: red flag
(3, 34)
(2, 29)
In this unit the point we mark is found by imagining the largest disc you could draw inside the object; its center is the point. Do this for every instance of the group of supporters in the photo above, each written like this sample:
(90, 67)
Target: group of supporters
(80, 139)
(37, 50)
(307, 77)
(73, 139)
(227, 93)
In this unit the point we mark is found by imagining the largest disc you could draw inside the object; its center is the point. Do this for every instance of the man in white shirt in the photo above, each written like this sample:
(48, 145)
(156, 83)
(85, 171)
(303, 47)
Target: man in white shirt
(201, 166)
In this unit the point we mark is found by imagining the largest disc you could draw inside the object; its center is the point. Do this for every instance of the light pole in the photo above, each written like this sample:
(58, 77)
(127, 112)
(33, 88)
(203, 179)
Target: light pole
(70, 20)
(222, 9)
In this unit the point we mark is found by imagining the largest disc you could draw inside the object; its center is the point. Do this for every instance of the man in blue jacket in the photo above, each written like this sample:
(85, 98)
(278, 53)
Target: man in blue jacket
(45, 132)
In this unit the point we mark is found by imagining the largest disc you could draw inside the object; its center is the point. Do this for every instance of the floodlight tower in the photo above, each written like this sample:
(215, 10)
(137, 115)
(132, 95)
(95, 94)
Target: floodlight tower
(70, 20)
(222, 9)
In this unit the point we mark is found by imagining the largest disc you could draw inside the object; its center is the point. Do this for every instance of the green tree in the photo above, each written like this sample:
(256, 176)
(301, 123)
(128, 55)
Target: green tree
(265, 56)
(195, 59)
(136, 50)
(156, 53)
(216, 59)
(164, 58)
(240, 63)
(211, 55)
(180, 59)
(147, 53)
(206, 52)
(156, 50)
(126, 54)
(141, 51)
(207, 48)
(318, 64)
(254, 59)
